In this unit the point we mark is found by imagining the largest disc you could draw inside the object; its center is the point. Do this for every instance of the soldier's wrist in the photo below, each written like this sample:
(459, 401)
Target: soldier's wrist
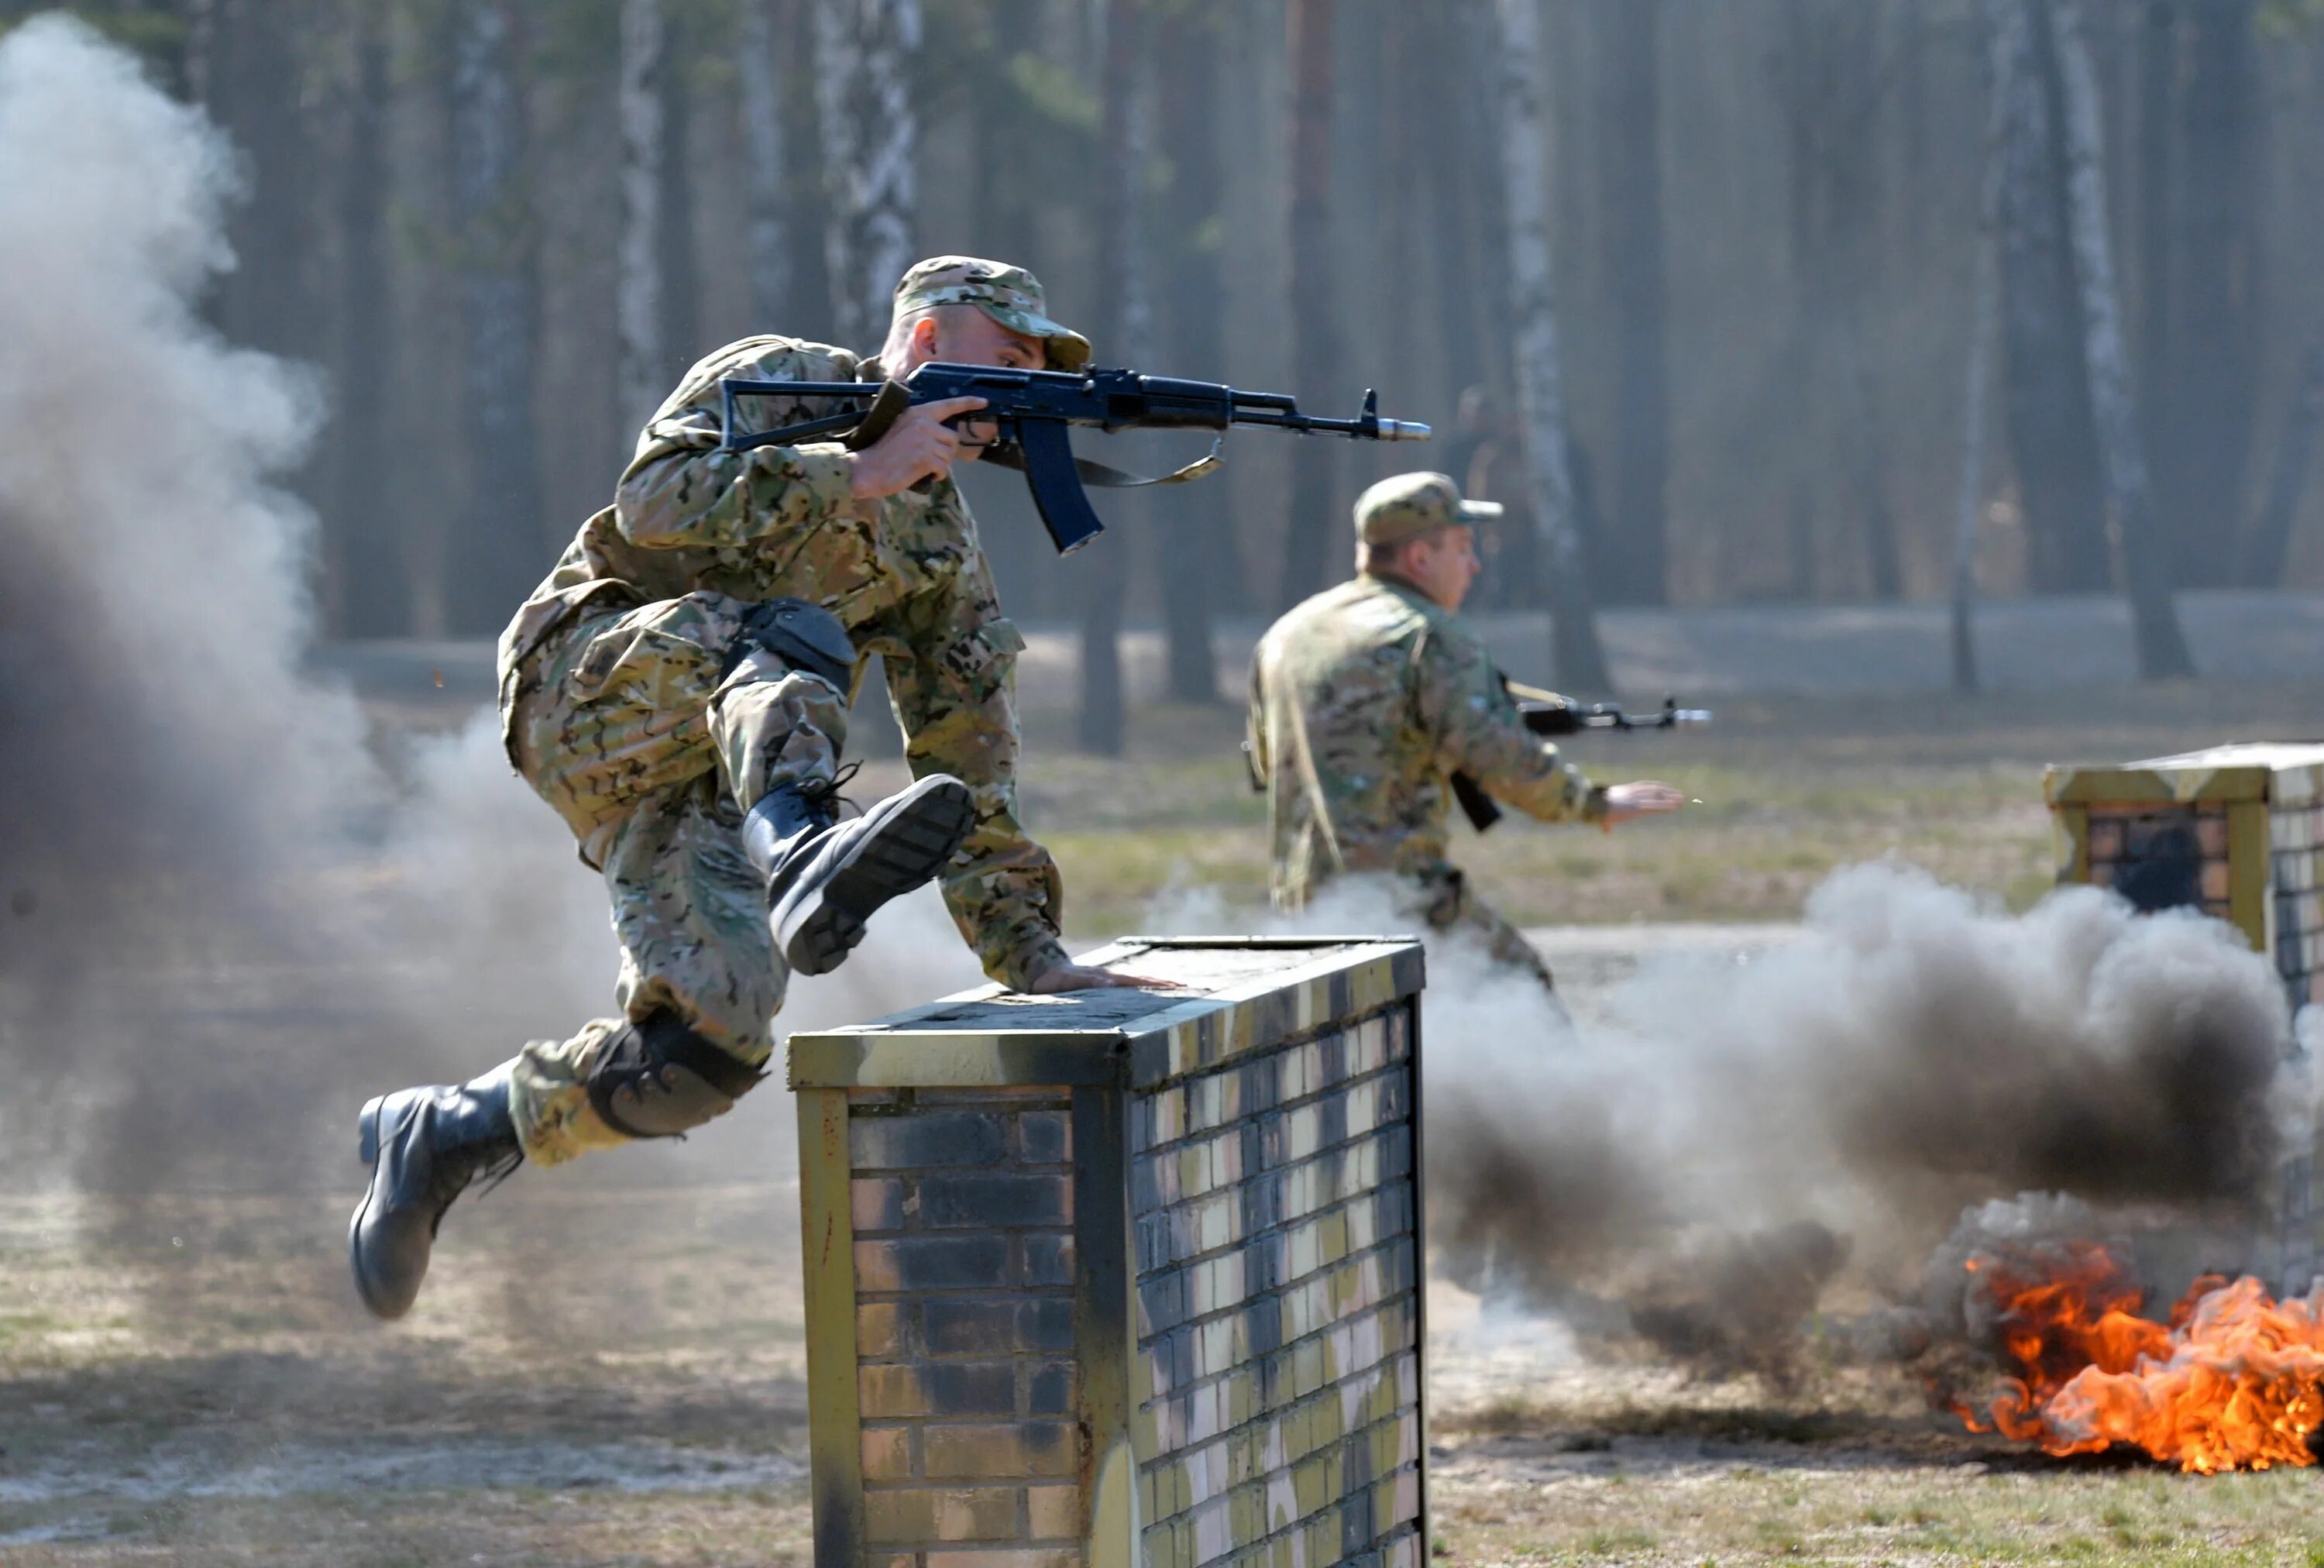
(1027, 967)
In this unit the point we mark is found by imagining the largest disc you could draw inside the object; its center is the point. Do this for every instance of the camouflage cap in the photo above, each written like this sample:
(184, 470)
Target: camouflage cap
(1407, 505)
(1009, 295)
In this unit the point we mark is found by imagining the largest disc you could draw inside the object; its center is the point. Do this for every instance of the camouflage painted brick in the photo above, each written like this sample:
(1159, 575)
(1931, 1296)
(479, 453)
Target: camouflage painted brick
(998, 1451)
(995, 1199)
(890, 1143)
(895, 1514)
(933, 1263)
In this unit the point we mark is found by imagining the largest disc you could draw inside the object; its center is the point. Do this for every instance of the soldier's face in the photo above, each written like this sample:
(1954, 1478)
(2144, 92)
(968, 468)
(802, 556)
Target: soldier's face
(1441, 564)
(964, 334)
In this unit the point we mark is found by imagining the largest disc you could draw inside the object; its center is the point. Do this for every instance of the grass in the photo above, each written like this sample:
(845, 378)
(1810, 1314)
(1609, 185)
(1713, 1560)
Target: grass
(1790, 789)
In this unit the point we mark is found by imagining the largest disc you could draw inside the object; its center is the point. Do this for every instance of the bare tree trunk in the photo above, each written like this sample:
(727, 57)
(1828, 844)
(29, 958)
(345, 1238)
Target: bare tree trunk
(2053, 442)
(2202, 445)
(1579, 659)
(2162, 645)
(865, 49)
(1314, 337)
(637, 291)
(2158, 91)
(370, 591)
(677, 264)
(245, 62)
(766, 246)
(1458, 190)
(499, 546)
(2267, 547)
(1199, 554)
(1636, 560)
(2006, 54)
(1122, 323)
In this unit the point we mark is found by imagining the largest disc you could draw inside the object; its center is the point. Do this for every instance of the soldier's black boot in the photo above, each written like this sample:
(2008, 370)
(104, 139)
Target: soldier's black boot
(424, 1147)
(825, 877)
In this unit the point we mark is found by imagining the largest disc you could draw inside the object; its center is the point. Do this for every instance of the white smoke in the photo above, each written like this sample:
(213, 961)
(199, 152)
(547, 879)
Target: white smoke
(223, 921)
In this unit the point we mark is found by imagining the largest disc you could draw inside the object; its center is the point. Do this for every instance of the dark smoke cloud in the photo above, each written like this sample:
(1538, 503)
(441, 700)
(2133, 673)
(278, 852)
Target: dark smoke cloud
(1700, 1167)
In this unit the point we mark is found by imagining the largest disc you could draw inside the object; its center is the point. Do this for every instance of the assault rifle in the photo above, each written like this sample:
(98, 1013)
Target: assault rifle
(1034, 408)
(1547, 714)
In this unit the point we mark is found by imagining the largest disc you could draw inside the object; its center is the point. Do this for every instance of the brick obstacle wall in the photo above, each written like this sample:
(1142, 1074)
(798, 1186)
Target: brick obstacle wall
(1278, 1366)
(2238, 833)
(1126, 1277)
(962, 1202)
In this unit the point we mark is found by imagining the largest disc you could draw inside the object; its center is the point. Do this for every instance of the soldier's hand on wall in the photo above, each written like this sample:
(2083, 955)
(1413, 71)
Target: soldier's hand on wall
(1641, 797)
(1083, 977)
(918, 446)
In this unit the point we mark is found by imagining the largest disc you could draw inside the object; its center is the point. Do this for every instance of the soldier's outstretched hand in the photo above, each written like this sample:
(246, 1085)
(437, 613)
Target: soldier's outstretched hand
(1641, 797)
(918, 446)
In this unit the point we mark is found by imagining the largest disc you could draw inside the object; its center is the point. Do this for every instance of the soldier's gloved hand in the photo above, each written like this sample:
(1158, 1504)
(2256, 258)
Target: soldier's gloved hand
(1082, 977)
(1641, 797)
(918, 446)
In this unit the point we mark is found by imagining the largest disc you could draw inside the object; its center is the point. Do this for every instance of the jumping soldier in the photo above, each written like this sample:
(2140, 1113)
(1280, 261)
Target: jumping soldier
(677, 689)
(1365, 699)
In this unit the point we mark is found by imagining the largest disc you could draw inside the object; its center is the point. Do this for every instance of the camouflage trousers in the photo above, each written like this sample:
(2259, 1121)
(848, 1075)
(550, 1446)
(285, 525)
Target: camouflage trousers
(635, 728)
(1439, 897)
(1447, 902)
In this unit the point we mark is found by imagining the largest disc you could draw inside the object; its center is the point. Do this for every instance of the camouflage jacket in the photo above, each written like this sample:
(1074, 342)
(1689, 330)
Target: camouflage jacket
(1363, 701)
(906, 574)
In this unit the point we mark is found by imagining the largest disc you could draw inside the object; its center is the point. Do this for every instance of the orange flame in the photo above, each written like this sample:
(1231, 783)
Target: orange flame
(2235, 1380)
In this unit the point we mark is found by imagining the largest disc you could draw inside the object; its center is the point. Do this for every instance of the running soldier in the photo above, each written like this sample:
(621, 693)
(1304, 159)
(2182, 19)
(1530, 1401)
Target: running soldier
(1367, 698)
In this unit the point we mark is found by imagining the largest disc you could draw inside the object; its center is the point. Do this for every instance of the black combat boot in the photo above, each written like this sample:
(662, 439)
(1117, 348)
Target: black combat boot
(826, 877)
(424, 1147)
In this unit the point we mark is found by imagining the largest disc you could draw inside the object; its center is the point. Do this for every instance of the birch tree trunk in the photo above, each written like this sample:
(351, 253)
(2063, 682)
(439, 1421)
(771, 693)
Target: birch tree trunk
(1124, 329)
(766, 245)
(639, 375)
(370, 588)
(1576, 654)
(1315, 337)
(498, 548)
(2162, 645)
(2006, 54)
(865, 49)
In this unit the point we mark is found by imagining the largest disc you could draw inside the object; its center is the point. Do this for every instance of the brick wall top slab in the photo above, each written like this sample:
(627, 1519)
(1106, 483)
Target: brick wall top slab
(1226, 997)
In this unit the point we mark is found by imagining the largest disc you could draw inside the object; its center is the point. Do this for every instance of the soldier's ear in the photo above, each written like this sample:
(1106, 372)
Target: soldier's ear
(924, 334)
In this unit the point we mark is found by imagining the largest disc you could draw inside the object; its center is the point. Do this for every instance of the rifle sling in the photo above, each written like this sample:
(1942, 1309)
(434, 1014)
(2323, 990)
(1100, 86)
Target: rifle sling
(1008, 454)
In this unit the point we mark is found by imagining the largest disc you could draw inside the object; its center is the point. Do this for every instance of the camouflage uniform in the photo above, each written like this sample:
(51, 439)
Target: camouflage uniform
(620, 706)
(1363, 701)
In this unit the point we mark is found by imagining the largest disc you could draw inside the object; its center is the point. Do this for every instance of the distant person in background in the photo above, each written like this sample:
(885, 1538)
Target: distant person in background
(677, 689)
(1365, 699)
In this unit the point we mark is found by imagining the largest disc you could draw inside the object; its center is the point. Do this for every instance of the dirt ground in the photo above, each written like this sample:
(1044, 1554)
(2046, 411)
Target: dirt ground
(617, 1379)
(605, 1376)
(610, 1374)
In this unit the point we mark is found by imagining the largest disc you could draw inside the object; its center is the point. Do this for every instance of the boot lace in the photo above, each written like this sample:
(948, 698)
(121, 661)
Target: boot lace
(823, 795)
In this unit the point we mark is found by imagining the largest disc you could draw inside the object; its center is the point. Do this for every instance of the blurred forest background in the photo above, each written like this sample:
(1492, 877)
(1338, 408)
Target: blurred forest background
(500, 229)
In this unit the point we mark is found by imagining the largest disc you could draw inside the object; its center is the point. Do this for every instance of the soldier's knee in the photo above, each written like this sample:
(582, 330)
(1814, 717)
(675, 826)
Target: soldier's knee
(656, 1078)
(795, 634)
